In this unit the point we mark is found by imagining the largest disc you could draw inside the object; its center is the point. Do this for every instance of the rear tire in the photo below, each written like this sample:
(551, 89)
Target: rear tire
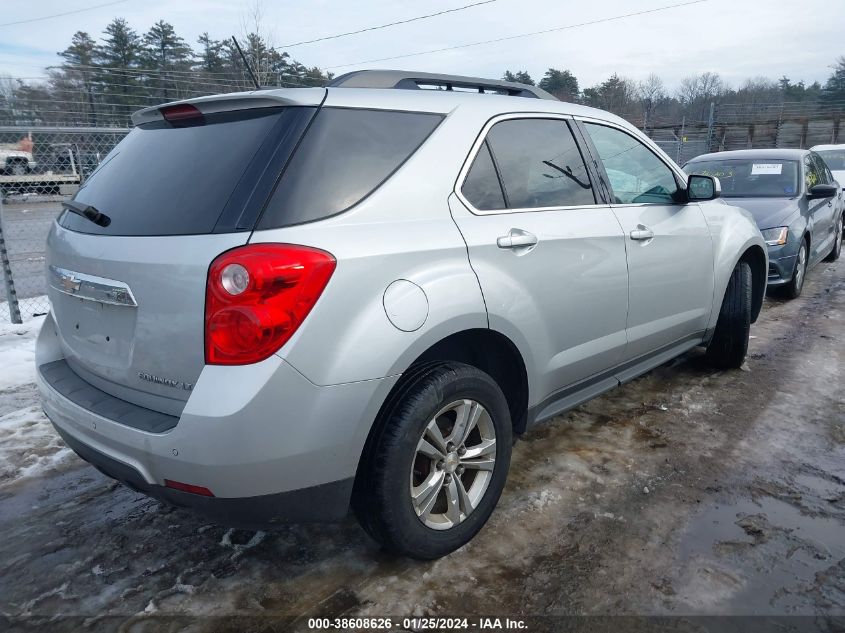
(837, 243)
(729, 345)
(418, 447)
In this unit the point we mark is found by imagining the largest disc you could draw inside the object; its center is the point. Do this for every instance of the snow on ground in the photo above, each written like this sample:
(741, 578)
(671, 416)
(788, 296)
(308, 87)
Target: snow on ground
(28, 444)
(17, 353)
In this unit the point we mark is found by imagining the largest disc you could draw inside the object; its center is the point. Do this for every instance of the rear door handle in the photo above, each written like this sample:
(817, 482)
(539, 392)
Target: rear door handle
(516, 238)
(642, 232)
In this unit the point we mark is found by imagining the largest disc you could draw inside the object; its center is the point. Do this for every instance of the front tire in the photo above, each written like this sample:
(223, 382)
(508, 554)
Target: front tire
(792, 290)
(18, 169)
(438, 463)
(729, 344)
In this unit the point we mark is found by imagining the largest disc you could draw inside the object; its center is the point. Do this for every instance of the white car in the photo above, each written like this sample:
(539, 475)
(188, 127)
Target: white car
(16, 162)
(834, 158)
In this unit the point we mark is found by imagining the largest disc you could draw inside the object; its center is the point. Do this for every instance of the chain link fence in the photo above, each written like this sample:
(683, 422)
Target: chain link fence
(41, 167)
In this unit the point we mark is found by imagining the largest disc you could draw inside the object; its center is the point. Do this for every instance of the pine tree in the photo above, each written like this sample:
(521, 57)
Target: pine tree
(834, 89)
(118, 56)
(79, 68)
(561, 83)
(211, 55)
(520, 77)
(164, 51)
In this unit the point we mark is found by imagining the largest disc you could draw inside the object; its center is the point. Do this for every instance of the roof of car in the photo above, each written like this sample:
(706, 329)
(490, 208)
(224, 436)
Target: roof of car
(420, 100)
(821, 148)
(772, 154)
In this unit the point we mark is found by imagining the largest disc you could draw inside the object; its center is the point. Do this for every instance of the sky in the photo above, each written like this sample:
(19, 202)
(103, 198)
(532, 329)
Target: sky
(736, 38)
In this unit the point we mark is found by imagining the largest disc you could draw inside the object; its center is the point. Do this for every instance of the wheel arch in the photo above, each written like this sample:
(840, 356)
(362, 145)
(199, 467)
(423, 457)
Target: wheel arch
(488, 350)
(755, 257)
(493, 353)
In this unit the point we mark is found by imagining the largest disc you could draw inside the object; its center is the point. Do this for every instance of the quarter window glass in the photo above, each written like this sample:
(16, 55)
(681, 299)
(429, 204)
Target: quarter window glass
(345, 156)
(482, 187)
(636, 174)
(540, 164)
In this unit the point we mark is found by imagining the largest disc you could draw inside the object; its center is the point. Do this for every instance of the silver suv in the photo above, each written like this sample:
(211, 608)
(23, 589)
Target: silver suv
(275, 305)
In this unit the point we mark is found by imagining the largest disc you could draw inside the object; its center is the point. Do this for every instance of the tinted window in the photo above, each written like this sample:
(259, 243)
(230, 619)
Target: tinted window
(835, 158)
(345, 155)
(824, 174)
(482, 187)
(750, 178)
(636, 174)
(164, 180)
(812, 173)
(540, 164)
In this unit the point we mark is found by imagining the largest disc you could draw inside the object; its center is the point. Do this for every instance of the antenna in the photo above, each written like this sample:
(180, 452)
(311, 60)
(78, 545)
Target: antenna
(246, 63)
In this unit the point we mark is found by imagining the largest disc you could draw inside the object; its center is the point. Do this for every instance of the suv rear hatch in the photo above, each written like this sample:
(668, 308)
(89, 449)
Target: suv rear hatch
(185, 185)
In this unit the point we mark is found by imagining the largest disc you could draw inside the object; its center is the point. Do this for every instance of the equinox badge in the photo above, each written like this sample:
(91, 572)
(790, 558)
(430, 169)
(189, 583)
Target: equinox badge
(167, 382)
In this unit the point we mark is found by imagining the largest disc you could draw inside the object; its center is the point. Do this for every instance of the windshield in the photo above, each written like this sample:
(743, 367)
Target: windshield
(833, 158)
(751, 178)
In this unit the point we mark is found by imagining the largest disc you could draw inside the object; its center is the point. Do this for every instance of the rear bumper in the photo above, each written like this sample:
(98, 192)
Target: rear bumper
(269, 444)
(327, 502)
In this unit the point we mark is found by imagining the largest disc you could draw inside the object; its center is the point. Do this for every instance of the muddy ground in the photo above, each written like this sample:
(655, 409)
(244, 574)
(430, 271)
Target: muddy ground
(688, 491)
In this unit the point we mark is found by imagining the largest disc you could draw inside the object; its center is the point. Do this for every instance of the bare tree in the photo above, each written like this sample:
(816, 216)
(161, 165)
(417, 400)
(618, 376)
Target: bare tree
(703, 87)
(257, 43)
(651, 91)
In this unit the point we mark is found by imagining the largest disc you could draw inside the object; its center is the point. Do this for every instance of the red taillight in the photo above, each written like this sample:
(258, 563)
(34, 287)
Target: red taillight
(257, 296)
(180, 112)
(195, 490)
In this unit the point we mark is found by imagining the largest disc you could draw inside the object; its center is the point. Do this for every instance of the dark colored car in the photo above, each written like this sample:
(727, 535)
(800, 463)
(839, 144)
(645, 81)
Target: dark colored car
(795, 201)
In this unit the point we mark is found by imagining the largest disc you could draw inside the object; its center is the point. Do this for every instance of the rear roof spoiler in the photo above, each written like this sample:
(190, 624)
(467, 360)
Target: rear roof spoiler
(239, 101)
(407, 80)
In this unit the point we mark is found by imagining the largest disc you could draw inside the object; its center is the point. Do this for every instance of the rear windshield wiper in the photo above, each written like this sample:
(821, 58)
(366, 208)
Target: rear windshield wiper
(87, 211)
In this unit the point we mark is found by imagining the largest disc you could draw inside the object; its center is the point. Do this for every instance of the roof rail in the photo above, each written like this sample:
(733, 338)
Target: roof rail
(408, 80)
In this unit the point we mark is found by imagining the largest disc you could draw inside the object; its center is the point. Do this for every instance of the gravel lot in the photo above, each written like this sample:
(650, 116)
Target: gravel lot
(688, 491)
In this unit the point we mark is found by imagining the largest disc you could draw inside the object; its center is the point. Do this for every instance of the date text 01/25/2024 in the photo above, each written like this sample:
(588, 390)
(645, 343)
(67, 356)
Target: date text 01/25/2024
(417, 624)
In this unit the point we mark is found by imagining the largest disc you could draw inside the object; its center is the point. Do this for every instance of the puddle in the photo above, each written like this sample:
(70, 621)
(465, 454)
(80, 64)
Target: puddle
(759, 557)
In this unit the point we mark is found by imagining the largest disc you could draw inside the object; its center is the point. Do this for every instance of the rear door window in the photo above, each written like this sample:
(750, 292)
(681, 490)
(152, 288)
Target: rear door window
(166, 180)
(540, 164)
(345, 156)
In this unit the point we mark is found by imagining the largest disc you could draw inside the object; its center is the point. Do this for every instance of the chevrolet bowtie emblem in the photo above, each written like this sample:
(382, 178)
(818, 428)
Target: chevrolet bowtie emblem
(70, 283)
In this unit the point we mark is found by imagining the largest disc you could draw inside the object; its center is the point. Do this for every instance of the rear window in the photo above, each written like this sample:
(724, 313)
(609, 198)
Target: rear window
(165, 180)
(345, 155)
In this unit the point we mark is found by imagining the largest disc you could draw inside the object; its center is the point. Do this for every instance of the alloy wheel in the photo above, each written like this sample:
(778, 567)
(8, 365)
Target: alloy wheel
(453, 464)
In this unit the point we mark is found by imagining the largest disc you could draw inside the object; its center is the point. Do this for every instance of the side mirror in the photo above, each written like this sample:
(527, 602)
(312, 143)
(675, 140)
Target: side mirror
(703, 188)
(822, 191)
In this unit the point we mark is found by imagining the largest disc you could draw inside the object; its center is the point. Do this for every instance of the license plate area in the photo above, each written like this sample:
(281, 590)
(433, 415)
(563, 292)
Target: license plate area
(99, 335)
